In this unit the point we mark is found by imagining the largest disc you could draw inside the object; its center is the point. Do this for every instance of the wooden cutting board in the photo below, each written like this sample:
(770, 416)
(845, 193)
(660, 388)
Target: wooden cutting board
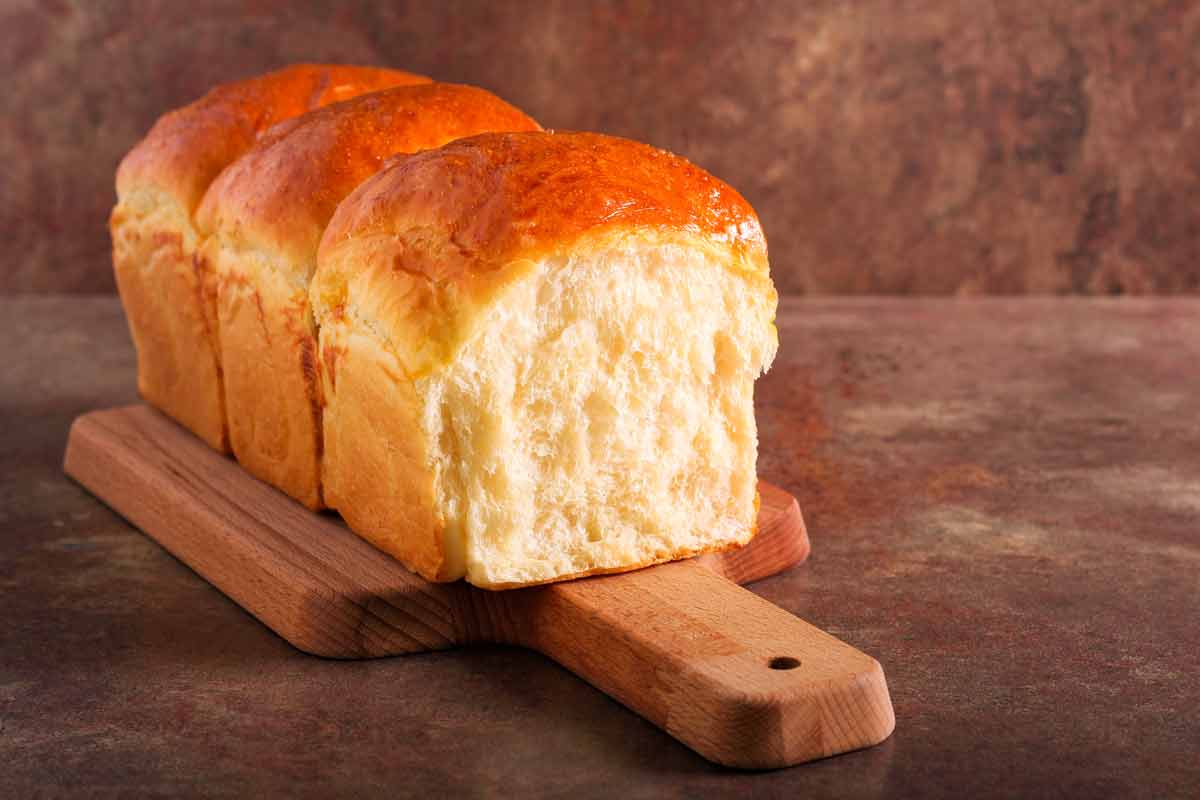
(739, 680)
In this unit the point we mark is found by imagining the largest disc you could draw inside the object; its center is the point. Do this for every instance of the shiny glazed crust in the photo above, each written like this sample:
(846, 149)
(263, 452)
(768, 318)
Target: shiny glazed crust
(262, 221)
(430, 239)
(169, 297)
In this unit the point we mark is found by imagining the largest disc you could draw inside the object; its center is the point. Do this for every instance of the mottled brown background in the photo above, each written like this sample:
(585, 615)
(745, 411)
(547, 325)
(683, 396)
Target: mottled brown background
(889, 146)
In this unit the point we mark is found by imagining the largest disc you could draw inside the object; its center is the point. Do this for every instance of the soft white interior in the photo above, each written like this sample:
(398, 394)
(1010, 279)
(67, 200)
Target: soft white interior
(603, 418)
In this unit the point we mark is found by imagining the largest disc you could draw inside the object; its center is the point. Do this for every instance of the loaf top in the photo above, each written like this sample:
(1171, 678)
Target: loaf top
(278, 197)
(188, 147)
(497, 197)
(421, 247)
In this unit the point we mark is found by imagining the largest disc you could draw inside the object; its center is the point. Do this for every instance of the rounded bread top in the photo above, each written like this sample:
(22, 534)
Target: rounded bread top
(419, 251)
(280, 195)
(477, 203)
(188, 147)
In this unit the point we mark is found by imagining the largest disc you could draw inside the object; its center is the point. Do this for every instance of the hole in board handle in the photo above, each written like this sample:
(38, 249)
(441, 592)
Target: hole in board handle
(783, 662)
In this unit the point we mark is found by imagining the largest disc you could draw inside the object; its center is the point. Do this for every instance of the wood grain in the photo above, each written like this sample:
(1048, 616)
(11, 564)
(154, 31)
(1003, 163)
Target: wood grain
(680, 644)
(739, 680)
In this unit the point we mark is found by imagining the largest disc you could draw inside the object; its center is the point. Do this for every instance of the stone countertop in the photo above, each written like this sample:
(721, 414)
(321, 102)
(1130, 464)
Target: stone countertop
(1003, 498)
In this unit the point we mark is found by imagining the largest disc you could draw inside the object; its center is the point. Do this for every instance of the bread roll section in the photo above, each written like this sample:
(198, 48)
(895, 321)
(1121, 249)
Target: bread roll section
(538, 353)
(167, 290)
(262, 221)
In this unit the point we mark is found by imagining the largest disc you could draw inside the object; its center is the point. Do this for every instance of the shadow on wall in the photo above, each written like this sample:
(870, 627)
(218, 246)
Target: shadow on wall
(932, 147)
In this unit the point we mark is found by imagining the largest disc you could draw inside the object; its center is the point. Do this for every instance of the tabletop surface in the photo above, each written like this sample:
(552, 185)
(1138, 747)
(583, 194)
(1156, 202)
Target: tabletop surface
(1003, 498)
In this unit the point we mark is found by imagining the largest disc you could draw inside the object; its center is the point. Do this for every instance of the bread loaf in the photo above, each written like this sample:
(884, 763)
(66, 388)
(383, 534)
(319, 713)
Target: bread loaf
(261, 222)
(168, 294)
(538, 353)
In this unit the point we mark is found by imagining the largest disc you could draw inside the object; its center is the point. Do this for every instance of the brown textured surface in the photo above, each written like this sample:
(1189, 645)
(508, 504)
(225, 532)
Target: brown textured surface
(1002, 497)
(888, 145)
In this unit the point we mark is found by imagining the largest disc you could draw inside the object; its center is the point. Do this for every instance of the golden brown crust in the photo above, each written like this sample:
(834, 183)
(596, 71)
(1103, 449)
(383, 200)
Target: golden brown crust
(500, 196)
(168, 292)
(281, 194)
(264, 216)
(421, 248)
(376, 464)
(188, 147)
(177, 370)
(271, 390)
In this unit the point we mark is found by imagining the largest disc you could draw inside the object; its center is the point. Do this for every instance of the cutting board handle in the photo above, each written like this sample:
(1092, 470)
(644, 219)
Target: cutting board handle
(739, 680)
